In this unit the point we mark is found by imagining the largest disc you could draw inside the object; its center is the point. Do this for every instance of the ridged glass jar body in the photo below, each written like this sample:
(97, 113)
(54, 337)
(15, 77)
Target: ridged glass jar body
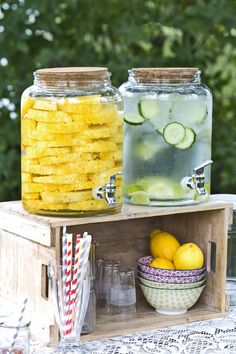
(159, 155)
(71, 139)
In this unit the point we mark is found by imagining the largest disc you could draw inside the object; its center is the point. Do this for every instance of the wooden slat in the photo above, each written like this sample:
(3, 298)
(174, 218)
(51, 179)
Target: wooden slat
(25, 227)
(149, 320)
(127, 212)
(21, 263)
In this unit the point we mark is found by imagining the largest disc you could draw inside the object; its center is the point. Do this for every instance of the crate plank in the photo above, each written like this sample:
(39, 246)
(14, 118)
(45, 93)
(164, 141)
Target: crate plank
(127, 212)
(145, 321)
(21, 264)
(26, 228)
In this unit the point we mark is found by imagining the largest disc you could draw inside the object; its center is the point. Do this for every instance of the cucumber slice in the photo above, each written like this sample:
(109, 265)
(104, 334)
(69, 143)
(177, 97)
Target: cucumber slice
(134, 119)
(188, 140)
(157, 111)
(174, 133)
(148, 108)
(190, 111)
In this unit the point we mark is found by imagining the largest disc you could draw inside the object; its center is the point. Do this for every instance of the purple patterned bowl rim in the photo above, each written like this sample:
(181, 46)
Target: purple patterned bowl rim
(198, 270)
(167, 276)
(173, 276)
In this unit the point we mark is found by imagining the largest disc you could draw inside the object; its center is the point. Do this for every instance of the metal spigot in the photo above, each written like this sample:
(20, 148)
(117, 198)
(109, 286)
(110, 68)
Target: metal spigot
(197, 180)
(108, 191)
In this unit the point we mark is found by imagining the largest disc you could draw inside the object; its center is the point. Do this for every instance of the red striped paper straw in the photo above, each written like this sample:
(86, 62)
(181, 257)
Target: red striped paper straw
(64, 263)
(83, 261)
(68, 319)
(75, 271)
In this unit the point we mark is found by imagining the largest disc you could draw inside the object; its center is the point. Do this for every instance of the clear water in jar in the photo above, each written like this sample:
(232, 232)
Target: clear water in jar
(155, 161)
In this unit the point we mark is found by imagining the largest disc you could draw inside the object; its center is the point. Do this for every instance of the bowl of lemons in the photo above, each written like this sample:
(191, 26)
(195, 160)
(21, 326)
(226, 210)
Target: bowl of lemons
(151, 265)
(173, 277)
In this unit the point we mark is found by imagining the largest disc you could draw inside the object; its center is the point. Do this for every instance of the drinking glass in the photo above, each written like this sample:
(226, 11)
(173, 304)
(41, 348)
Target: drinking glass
(14, 337)
(69, 302)
(108, 270)
(89, 324)
(123, 292)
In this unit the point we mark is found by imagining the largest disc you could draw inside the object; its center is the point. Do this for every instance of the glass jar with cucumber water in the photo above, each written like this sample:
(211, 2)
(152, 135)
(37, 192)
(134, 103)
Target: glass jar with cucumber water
(167, 139)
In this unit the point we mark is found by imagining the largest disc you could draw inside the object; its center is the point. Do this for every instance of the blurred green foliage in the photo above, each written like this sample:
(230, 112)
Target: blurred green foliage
(119, 34)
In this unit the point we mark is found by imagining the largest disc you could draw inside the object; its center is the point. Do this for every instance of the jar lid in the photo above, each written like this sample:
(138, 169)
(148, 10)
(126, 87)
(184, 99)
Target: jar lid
(71, 75)
(226, 198)
(166, 75)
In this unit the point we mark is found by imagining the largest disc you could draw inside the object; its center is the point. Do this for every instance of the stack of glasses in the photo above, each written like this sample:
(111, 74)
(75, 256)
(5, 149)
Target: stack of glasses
(115, 285)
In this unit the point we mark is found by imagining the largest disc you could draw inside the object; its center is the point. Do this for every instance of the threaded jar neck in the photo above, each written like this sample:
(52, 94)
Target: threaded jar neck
(165, 75)
(71, 78)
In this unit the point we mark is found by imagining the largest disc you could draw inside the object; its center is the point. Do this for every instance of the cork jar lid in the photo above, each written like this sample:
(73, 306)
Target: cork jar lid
(162, 75)
(80, 75)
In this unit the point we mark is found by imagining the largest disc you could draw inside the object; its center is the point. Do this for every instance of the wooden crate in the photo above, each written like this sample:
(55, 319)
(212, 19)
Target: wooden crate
(28, 242)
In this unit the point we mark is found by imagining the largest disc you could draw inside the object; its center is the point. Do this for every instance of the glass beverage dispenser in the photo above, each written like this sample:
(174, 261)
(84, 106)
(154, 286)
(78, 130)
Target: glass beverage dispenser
(167, 139)
(71, 137)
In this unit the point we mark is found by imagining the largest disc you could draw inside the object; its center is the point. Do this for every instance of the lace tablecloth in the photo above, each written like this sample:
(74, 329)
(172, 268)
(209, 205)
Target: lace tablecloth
(212, 336)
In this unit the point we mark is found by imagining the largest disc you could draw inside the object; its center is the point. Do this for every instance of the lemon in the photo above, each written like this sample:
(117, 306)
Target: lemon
(161, 263)
(155, 232)
(140, 198)
(164, 245)
(188, 256)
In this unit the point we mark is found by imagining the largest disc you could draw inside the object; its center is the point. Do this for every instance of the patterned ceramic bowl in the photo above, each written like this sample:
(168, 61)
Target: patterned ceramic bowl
(171, 302)
(155, 284)
(143, 265)
(172, 280)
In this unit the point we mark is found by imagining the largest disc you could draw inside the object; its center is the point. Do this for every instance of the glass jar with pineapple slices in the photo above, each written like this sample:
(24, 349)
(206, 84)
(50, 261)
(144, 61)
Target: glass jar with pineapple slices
(71, 141)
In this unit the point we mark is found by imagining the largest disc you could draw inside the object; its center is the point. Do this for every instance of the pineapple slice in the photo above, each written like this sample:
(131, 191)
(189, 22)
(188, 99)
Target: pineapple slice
(73, 156)
(28, 125)
(69, 197)
(37, 187)
(41, 205)
(26, 104)
(96, 146)
(45, 105)
(61, 128)
(97, 119)
(75, 186)
(69, 168)
(60, 179)
(33, 152)
(89, 205)
(95, 133)
(27, 164)
(59, 142)
(26, 177)
(31, 196)
(48, 116)
(80, 104)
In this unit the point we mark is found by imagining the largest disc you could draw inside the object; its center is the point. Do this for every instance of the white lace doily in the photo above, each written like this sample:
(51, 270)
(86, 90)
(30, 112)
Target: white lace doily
(207, 337)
